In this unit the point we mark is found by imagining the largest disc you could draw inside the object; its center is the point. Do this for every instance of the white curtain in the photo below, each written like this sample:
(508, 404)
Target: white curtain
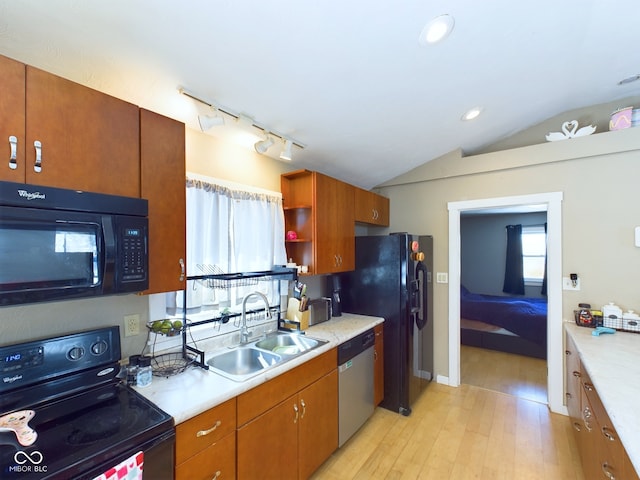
(231, 230)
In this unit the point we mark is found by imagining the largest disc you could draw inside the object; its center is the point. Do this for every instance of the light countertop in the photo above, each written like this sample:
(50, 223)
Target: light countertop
(196, 390)
(613, 363)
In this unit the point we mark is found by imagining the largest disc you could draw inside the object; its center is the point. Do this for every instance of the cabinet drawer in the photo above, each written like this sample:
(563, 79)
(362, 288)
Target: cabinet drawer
(216, 461)
(260, 399)
(204, 430)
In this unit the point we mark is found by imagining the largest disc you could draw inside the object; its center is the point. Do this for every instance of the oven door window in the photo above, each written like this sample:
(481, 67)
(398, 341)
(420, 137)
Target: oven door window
(43, 255)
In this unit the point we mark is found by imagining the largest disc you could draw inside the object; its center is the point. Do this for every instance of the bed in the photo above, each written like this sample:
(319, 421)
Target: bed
(507, 324)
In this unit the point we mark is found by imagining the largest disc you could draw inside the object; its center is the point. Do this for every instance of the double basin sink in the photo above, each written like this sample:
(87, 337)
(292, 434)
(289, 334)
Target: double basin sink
(245, 361)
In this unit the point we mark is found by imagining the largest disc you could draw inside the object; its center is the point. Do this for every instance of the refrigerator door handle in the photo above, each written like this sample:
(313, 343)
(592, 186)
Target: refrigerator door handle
(421, 280)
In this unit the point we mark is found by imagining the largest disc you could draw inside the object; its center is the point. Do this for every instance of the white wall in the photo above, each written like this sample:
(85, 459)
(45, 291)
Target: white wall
(598, 176)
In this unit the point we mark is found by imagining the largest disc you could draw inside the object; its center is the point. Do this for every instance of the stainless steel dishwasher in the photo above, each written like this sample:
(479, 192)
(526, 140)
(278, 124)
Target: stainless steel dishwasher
(355, 384)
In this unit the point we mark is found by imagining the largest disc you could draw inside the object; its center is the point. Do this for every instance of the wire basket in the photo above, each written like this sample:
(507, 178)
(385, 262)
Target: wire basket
(224, 281)
(169, 364)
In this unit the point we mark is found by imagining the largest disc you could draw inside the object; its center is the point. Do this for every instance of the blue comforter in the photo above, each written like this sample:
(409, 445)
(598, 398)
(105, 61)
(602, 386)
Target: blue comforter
(526, 317)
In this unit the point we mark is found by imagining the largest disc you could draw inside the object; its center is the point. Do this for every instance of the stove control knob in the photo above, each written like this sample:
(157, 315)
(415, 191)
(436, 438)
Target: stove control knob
(99, 347)
(76, 353)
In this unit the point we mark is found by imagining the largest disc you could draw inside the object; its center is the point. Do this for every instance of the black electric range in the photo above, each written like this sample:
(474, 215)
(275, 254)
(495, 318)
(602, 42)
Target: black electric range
(65, 414)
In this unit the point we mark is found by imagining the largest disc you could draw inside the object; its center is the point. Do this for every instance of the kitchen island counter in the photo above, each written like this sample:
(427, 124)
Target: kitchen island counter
(613, 363)
(196, 390)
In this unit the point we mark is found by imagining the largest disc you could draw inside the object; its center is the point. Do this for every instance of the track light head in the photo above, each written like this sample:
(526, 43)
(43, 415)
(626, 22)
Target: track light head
(263, 145)
(207, 122)
(286, 151)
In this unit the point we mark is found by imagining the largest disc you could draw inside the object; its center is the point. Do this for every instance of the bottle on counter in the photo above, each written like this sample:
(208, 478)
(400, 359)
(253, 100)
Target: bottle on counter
(132, 370)
(583, 315)
(145, 374)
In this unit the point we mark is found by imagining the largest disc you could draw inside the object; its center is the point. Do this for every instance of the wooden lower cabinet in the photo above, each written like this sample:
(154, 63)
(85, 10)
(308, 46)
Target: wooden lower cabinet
(206, 444)
(378, 365)
(318, 424)
(292, 439)
(288, 426)
(602, 454)
(215, 462)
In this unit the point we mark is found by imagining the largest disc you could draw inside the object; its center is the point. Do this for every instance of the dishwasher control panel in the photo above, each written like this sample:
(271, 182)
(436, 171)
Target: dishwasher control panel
(355, 346)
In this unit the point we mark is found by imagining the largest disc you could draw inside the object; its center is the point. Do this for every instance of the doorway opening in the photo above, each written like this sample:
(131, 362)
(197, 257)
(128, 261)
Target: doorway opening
(553, 203)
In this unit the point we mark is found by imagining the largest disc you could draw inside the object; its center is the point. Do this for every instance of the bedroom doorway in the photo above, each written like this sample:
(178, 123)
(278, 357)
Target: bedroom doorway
(553, 203)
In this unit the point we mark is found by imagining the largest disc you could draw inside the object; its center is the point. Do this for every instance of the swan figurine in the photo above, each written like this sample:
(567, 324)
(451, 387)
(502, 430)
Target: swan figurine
(570, 130)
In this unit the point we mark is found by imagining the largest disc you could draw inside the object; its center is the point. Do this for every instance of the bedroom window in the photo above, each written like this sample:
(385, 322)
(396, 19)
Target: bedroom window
(534, 249)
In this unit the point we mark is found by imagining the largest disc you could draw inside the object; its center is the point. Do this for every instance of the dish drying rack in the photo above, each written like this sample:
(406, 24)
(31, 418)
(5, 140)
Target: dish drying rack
(214, 278)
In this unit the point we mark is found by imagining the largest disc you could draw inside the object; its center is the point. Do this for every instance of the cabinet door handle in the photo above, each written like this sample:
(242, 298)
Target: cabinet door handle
(586, 415)
(588, 387)
(607, 472)
(375, 355)
(13, 159)
(577, 374)
(37, 167)
(568, 395)
(304, 408)
(182, 269)
(577, 427)
(567, 352)
(217, 475)
(202, 433)
(295, 409)
(608, 434)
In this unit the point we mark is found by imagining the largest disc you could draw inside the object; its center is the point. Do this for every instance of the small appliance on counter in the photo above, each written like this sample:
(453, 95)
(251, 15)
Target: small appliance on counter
(333, 286)
(320, 310)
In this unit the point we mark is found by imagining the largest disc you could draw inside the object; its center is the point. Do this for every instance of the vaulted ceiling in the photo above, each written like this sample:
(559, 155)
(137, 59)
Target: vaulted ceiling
(349, 80)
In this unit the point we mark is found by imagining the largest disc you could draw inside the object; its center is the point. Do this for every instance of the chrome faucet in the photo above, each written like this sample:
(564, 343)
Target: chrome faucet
(244, 331)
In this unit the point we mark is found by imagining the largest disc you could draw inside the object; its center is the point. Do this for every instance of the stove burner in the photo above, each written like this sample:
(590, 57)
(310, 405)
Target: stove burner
(97, 425)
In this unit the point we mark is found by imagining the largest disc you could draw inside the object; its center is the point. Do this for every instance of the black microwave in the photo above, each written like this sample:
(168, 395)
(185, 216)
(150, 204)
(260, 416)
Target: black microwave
(58, 244)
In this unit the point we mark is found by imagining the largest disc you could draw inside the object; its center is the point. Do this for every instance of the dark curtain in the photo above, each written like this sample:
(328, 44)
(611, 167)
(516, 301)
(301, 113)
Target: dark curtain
(544, 278)
(513, 272)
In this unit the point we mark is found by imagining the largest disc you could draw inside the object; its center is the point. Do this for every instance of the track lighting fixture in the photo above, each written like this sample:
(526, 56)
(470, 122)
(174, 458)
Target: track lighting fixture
(244, 123)
(263, 145)
(207, 122)
(286, 151)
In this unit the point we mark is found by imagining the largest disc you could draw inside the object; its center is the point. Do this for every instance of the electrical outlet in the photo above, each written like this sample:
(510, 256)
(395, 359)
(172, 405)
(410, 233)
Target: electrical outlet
(567, 284)
(131, 325)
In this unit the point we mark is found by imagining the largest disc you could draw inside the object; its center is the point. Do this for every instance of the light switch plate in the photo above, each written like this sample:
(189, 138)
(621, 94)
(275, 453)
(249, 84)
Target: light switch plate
(442, 277)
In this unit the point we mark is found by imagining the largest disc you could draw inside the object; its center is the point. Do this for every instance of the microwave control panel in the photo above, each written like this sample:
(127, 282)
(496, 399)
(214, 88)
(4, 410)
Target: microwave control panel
(133, 250)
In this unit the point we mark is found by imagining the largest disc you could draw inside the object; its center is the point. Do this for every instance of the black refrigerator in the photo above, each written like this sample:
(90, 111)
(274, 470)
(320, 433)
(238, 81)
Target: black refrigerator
(393, 280)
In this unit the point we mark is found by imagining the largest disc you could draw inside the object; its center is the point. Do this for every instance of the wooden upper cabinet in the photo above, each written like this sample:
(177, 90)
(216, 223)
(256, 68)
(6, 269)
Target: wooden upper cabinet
(87, 140)
(320, 210)
(12, 120)
(162, 160)
(371, 208)
(334, 232)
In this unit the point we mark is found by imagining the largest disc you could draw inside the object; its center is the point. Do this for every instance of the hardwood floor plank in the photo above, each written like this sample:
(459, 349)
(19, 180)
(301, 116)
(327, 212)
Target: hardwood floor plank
(468, 432)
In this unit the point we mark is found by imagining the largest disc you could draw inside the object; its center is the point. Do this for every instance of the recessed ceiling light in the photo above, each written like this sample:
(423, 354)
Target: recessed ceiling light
(436, 30)
(471, 114)
(630, 79)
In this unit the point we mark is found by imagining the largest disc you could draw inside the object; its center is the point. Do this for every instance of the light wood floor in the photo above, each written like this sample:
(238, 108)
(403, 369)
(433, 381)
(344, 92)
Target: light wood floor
(460, 433)
(517, 375)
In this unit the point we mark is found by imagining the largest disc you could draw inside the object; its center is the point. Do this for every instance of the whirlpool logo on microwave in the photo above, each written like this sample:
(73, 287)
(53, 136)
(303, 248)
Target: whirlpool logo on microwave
(31, 195)
(28, 462)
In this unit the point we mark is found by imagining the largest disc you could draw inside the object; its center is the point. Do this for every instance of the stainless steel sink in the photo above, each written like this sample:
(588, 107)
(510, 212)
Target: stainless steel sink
(242, 363)
(246, 361)
(288, 343)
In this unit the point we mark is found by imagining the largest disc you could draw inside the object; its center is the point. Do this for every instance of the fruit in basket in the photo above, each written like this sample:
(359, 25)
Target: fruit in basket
(166, 327)
(177, 324)
(156, 326)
